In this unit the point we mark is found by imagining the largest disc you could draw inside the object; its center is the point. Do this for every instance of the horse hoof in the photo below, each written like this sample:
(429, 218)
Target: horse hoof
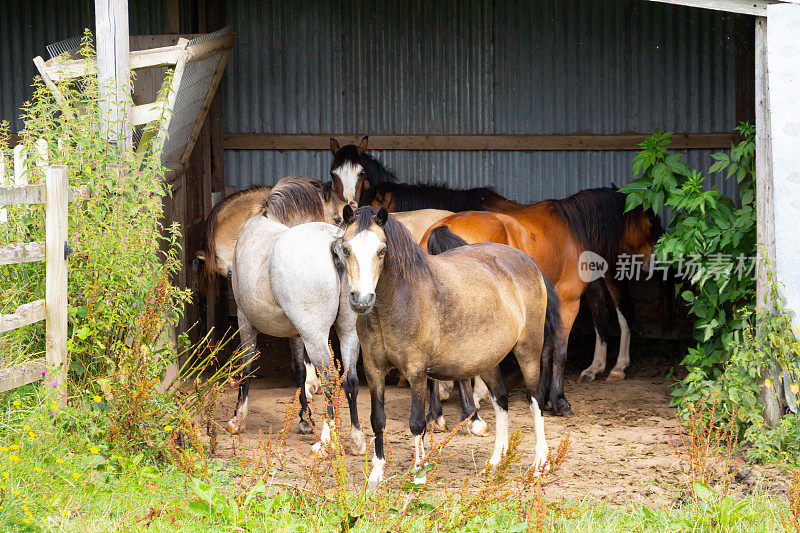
(477, 401)
(402, 381)
(304, 428)
(440, 424)
(479, 428)
(358, 448)
(566, 413)
(586, 377)
(443, 395)
(233, 428)
(616, 375)
(317, 450)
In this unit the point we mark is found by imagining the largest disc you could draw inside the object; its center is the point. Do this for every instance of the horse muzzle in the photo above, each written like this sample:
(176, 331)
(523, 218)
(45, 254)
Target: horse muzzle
(362, 304)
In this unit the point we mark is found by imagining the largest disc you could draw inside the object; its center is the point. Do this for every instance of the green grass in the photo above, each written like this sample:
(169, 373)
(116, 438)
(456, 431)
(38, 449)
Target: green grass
(69, 480)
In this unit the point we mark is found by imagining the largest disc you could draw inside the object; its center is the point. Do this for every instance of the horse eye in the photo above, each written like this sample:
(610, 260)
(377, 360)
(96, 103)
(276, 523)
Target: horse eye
(345, 252)
(362, 174)
(382, 252)
(337, 220)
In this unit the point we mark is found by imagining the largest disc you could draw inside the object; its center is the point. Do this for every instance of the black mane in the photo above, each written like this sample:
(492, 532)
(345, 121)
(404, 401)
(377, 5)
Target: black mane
(404, 258)
(597, 218)
(410, 197)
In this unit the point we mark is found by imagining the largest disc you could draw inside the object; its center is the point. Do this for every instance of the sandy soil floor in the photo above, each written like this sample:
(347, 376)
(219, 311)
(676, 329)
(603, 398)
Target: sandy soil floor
(623, 434)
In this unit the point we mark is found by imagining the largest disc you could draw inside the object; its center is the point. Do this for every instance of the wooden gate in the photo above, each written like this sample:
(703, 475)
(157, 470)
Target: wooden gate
(55, 195)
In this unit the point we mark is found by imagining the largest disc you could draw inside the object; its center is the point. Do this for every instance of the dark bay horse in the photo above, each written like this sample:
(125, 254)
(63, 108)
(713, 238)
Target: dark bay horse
(556, 233)
(354, 171)
(409, 197)
(450, 316)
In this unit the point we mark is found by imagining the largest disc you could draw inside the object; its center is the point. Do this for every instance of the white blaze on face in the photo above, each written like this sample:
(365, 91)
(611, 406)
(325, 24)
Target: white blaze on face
(348, 174)
(365, 246)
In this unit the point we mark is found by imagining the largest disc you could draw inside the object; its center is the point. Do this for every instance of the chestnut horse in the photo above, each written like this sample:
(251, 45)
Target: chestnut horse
(448, 316)
(410, 197)
(556, 233)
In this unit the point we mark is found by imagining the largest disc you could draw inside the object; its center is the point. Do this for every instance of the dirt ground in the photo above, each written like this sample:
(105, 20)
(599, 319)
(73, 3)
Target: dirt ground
(622, 435)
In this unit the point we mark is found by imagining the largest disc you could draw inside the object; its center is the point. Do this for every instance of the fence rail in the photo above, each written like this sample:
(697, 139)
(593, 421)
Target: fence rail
(55, 195)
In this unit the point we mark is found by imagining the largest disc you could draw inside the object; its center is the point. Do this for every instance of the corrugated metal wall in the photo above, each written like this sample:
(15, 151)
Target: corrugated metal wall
(27, 27)
(476, 66)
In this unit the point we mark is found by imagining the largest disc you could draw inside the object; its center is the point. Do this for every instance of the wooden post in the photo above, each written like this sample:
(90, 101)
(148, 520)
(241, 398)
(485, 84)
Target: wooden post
(765, 213)
(113, 70)
(20, 165)
(56, 276)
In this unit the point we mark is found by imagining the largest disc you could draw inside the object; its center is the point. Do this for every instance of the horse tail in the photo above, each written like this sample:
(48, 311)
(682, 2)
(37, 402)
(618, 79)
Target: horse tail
(207, 281)
(552, 317)
(442, 239)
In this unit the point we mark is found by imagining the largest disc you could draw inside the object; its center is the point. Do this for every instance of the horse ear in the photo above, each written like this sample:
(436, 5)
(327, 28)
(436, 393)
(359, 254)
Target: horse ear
(334, 146)
(380, 218)
(348, 215)
(363, 146)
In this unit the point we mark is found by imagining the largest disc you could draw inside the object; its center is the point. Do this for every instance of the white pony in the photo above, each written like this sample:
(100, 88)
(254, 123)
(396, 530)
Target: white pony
(286, 285)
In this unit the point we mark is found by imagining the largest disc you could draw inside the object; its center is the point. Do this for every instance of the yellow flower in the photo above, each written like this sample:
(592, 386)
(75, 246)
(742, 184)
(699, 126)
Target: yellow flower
(17, 403)
(75, 475)
(95, 450)
(3, 448)
(26, 427)
(26, 502)
(97, 399)
(14, 447)
(26, 521)
(167, 428)
(65, 512)
(37, 468)
(15, 492)
(768, 383)
(794, 388)
(54, 405)
(5, 474)
(13, 457)
(59, 460)
(2, 487)
(24, 507)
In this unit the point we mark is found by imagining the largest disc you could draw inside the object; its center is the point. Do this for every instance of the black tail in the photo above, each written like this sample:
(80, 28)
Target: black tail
(442, 239)
(552, 317)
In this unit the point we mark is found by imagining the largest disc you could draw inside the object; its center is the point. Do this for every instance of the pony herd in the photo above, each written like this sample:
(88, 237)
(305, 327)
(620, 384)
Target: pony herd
(439, 283)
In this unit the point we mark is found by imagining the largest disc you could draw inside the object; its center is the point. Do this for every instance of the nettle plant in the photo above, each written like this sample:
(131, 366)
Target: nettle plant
(710, 241)
(121, 246)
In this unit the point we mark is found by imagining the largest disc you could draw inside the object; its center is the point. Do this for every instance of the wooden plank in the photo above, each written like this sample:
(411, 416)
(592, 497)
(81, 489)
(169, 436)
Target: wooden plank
(765, 214)
(56, 274)
(157, 57)
(20, 165)
(113, 70)
(24, 315)
(209, 98)
(21, 194)
(745, 7)
(146, 113)
(14, 254)
(21, 374)
(273, 141)
(214, 46)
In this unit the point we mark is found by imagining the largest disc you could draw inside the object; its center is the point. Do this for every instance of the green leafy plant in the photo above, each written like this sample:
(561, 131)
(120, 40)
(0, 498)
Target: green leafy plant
(710, 241)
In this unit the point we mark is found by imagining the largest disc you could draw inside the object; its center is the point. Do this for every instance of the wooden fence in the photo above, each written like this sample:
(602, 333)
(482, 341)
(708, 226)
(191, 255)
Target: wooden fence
(55, 195)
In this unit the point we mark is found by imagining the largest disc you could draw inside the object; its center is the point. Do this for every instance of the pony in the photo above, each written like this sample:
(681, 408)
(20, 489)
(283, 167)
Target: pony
(222, 228)
(448, 316)
(556, 233)
(353, 171)
(286, 285)
(410, 197)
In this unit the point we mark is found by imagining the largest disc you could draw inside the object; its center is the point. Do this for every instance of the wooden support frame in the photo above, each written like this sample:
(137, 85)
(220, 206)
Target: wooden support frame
(113, 70)
(745, 7)
(581, 142)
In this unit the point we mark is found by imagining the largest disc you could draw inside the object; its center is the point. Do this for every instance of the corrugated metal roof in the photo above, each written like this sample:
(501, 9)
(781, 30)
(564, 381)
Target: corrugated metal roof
(476, 66)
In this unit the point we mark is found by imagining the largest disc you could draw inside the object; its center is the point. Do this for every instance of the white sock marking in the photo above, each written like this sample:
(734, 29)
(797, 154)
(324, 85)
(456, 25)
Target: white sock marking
(376, 474)
(540, 450)
(501, 433)
(624, 358)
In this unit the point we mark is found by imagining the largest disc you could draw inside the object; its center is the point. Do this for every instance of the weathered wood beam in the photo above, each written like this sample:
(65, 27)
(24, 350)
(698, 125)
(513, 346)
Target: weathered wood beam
(21, 374)
(14, 254)
(24, 315)
(56, 275)
(113, 70)
(745, 7)
(280, 141)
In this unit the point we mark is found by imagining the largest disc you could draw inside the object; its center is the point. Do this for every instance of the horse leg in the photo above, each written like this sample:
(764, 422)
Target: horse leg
(299, 369)
(527, 351)
(480, 392)
(469, 410)
(443, 389)
(349, 347)
(561, 407)
(312, 383)
(498, 394)
(416, 421)
(435, 418)
(376, 380)
(596, 298)
(622, 302)
(247, 334)
(318, 352)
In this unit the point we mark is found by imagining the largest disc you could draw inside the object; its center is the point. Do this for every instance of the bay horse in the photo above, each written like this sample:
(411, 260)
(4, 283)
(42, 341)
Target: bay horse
(556, 233)
(448, 316)
(410, 197)
(286, 285)
(354, 171)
